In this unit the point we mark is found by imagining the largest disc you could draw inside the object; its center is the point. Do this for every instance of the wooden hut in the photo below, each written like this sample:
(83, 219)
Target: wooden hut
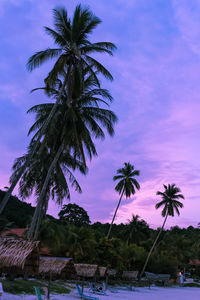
(18, 256)
(130, 275)
(87, 270)
(112, 272)
(57, 267)
(102, 272)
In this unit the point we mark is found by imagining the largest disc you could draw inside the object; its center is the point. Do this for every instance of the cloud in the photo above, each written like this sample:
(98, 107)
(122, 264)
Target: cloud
(156, 92)
(187, 18)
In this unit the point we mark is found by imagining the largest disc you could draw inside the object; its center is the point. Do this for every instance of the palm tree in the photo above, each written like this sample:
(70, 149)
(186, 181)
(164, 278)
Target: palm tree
(136, 230)
(126, 186)
(171, 205)
(72, 53)
(54, 236)
(81, 244)
(73, 128)
(34, 176)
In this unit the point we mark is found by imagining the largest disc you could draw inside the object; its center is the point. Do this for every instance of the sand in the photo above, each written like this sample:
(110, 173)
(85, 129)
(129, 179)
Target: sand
(154, 293)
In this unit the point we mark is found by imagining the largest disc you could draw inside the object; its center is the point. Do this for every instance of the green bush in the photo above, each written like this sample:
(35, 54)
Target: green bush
(27, 287)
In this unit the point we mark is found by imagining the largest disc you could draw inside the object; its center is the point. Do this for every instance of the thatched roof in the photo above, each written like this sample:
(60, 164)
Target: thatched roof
(19, 232)
(112, 272)
(102, 271)
(61, 267)
(13, 232)
(130, 274)
(19, 255)
(194, 262)
(87, 270)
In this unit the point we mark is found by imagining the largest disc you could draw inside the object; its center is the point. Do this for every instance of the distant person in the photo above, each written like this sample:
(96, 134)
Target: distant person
(181, 280)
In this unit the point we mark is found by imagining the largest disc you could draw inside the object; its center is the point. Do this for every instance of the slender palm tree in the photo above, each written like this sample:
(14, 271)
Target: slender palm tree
(73, 52)
(74, 128)
(171, 205)
(34, 176)
(126, 186)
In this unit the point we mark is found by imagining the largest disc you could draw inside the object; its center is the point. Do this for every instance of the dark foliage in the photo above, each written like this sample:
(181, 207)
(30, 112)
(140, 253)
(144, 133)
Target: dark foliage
(74, 214)
(125, 250)
(17, 214)
(16, 211)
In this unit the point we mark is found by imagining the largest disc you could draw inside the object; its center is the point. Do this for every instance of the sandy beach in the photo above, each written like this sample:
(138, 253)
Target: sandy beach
(154, 293)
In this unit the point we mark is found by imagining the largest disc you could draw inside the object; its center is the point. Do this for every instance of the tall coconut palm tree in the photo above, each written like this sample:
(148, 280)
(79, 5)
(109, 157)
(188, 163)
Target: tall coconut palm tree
(34, 176)
(126, 186)
(74, 127)
(171, 205)
(72, 53)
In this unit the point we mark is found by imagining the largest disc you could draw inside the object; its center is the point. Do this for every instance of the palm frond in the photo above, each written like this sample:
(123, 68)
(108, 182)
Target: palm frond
(58, 38)
(62, 23)
(99, 67)
(40, 57)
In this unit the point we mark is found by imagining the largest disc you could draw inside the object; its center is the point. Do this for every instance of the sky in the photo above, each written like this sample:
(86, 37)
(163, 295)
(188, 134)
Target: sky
(156, 91)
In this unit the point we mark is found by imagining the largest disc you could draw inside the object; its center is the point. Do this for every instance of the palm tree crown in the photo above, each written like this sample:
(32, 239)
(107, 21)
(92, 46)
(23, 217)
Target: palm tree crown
(126, 186)
(76, 124)
(127, 183)
(169, 200)
(35, 174)
(73, 46)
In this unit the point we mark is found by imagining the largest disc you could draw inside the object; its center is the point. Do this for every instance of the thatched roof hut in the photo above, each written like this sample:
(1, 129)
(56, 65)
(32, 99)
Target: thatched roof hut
(131, 275)
(20, 232)
(87, 270)
(58, 267)
(103, 271)
(112, 272)
(194, 262)
(18, 256)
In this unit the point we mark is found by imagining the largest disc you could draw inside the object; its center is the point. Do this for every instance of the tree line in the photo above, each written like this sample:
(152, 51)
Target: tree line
(73, 235)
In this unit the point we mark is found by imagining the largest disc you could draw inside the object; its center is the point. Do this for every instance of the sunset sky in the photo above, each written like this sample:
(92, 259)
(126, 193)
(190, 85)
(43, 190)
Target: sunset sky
(156, 92)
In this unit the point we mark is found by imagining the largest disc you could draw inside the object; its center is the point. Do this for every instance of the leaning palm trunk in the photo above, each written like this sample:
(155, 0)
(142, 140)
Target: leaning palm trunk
(113, 219)
(13, 185)
(36, 220)
(153, 246)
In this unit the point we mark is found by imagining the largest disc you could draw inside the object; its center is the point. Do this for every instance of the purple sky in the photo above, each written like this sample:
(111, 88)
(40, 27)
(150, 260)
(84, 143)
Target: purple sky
(156, 91)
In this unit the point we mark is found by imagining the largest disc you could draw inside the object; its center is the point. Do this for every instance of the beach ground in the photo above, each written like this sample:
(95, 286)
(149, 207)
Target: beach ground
(154, 293)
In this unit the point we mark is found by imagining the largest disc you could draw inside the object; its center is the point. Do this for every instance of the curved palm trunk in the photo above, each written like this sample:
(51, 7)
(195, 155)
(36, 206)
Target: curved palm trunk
(36, 220)
(13, 185)
(153, 246)
(115, 214)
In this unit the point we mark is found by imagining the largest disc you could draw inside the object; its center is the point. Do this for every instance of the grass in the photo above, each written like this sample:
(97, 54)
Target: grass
(27, 287)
